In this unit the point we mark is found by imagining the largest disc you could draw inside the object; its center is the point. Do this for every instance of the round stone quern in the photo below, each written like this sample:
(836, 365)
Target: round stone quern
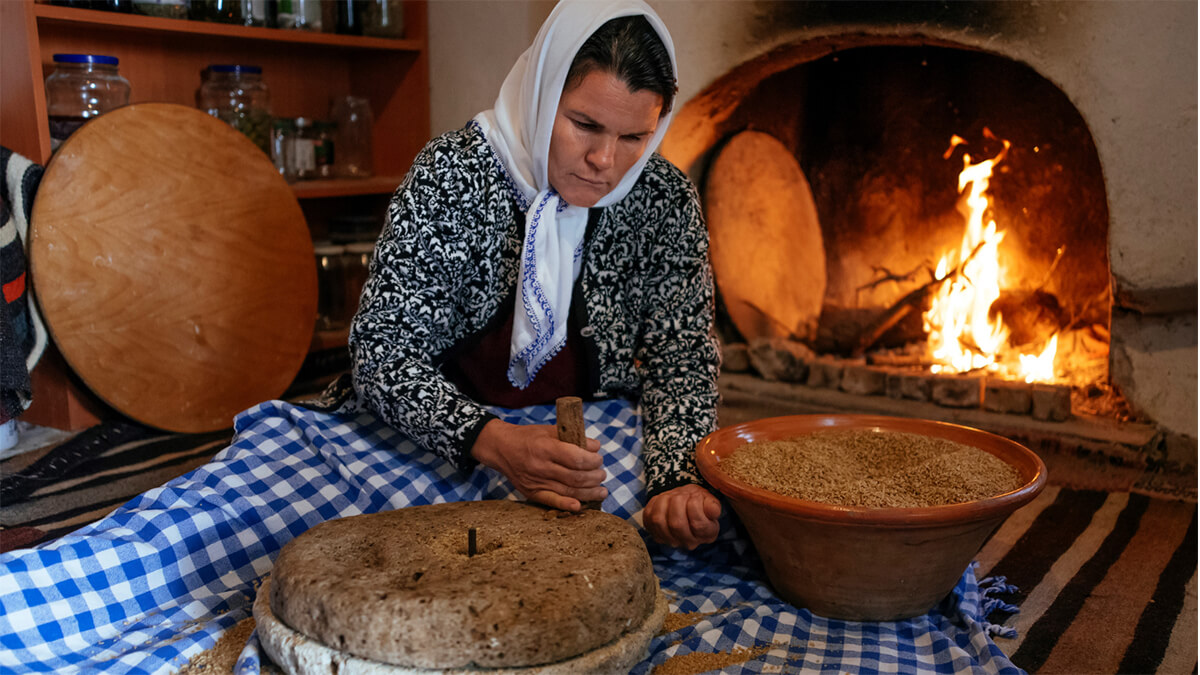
(400, 587)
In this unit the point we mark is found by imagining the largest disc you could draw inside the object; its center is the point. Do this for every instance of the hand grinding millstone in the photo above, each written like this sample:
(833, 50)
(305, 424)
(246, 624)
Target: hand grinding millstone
(569, 418)
(398, 592)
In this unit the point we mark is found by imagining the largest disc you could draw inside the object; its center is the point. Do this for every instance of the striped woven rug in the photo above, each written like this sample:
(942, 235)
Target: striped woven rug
(1105, 566)
(1107, 582)
(49, 492)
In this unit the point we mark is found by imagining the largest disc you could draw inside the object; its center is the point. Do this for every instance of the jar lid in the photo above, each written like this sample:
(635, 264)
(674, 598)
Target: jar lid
(235, 68)
(86, 58)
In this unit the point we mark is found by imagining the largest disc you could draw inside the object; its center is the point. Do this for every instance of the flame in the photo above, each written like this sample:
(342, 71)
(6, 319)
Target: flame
(1040, 367)
(962, 336)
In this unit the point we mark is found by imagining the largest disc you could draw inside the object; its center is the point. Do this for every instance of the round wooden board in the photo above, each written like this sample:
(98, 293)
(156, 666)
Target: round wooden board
(767, 251)
(173, 267)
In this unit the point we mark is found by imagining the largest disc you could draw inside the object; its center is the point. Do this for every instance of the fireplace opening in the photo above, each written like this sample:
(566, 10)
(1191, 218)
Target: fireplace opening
(915, 209)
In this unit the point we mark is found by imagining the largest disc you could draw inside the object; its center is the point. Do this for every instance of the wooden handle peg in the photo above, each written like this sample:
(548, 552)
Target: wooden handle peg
(569, 412)
(569, 415)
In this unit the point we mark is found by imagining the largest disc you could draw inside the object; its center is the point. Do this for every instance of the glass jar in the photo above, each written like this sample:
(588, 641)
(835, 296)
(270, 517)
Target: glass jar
(329, 17)
(236, 95)
(349, 16)
(123, 6)
(324, 149)
(331, 286)
(304, 149)
(81, 87)
(357, 263)
(299, 14)
(219, 11)
(353, 137)
(383, 18)
(261, 13)
(283, 133)
(167, 9)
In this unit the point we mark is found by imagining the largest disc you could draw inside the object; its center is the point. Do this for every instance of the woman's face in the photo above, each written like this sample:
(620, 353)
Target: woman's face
(601, 130)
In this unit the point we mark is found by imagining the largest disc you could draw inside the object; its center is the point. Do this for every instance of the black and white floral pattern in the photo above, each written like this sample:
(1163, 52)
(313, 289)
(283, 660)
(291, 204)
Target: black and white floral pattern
(446, 264)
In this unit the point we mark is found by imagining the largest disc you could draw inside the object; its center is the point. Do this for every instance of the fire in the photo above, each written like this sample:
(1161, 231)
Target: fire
(962, 335)
(1039, 367)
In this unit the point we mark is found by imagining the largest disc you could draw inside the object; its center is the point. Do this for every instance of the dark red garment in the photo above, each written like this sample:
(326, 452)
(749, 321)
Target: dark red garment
(481, 370)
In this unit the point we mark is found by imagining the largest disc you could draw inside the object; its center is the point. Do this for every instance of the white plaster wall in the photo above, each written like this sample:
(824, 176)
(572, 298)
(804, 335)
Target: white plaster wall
(472, 46)
(1166, 348)
(1138, 93)
(1130, 69)
(473, 43)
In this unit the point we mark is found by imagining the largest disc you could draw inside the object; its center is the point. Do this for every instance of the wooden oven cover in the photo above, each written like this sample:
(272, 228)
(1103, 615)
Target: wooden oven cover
(173, 267)
(767, 250)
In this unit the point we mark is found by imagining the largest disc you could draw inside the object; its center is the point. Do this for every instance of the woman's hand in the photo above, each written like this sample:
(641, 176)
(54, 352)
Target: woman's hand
(683, 517)
(541, 467)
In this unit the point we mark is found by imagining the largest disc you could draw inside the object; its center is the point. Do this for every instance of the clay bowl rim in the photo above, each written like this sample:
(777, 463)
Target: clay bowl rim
(715, 446)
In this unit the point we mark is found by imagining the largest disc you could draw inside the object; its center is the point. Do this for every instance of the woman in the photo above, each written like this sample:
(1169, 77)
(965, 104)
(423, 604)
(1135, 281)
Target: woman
(544, 250)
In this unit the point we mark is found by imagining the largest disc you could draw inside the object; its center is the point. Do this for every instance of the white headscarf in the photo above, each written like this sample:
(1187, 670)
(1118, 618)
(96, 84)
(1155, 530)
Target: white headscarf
(518, 129)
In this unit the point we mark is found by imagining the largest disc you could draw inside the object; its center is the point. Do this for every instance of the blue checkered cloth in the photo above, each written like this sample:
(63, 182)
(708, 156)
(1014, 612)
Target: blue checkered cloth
(160, 579)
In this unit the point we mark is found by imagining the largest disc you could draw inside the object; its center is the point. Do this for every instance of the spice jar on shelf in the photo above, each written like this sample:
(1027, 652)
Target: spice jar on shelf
(283, 133)
(220, 11)
(261, 13)
(304, 149)
(81, 87)
(331, 286)
(237, 95)
(383, 18)
(357, 264)
(325, 154)
(123, 6)
(167, 9)
(353, 137)
(349, 16)
(299, 15)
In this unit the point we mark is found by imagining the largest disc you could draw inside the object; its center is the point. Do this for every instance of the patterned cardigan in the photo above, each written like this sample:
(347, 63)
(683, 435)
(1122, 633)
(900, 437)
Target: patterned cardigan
(446, 264)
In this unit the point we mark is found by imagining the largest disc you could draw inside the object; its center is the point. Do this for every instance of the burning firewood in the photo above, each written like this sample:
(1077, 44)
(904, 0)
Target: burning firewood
(1032, 317)
(915, 299)
(886, 275)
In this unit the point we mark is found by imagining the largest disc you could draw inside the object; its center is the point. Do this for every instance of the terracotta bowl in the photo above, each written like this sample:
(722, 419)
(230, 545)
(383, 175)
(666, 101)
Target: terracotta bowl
(862, 563)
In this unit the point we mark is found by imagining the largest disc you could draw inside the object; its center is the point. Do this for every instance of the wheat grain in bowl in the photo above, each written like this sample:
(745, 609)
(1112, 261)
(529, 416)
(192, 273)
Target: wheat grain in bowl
(872, 468)
(865, 563)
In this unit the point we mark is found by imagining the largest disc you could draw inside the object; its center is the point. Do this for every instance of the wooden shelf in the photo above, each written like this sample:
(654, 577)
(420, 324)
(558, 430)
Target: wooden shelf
(346, 187)
(163, 59)
(51, 14)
